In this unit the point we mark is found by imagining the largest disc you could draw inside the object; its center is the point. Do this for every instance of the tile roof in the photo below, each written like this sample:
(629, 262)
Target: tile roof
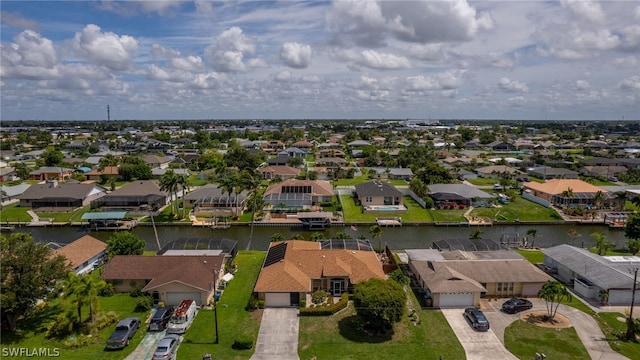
(557, 186)
(318, 187)
(305, 260)
(280, 169)
(81, 250)
(195, 271)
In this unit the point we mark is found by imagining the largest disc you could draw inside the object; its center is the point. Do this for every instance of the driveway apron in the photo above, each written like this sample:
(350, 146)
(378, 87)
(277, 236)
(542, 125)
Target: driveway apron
(278, 336)
(147, 346)
(477, 345)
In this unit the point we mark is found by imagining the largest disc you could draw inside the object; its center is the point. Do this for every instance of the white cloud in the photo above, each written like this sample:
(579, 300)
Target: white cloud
(447, 80)
(632, 83)
(586, 9)
(373, 59)
(628, 62)
(229, 49)
(107, 49)
(283, 76)
(295, 55)
(29, 56)
(188, 63)
(511, 86)
(581, 85)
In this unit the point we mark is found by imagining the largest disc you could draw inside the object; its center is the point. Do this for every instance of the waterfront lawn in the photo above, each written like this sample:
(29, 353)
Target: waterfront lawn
(351, 182)
(448, 215)
(519, 209)
(340, 336)
(533, 256)
(554, 343)
(353, 212)
(233, 320)
(65, 217)
(165, 216)
(15, 213)
(612, 327)
(31, 331)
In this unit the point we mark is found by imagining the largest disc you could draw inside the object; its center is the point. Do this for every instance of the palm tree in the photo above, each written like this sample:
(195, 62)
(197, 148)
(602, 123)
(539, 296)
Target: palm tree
(601, 242)
(532, 232)
(227, 184)
(598, 199)
(567, 195)
(553, 293)
(573, 234)
(182, 181)
(316, 236)
(276, 237)
(621, 198)
(169, 183)
(83, 290)
(376, 233)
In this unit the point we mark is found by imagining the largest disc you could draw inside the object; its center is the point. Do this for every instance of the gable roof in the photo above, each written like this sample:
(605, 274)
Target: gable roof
(280, 170)
(59, 191)
(81, 250)
(377, 188)
(464, 190)
(557, 186)
(137, 188)
(195, 271)
(291, 265)
(318, 187)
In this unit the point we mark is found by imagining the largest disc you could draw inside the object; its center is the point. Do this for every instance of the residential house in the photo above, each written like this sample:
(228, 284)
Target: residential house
(461, 278)
(212, 200)
(84, 254)
(8, 174)
(497, 171)
(295, 193)
(281, 172)
(303, 145)
(51, 172)
(377, 193)
(501, 146)
(566, 192)
(108, 172)
(464, 194)
(294, 269)
(58, 197)
(331, 162)
(139, 195)
(603, 171)
(280, 160)
(9, 193)
(546, 172)
(157, 173)
(273, 146)
(168, 278)
(294, 152)
(359, 143)
(590, 274)
(155, 161)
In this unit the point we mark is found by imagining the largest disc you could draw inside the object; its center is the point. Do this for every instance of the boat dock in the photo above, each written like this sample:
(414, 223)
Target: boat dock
(395, 221)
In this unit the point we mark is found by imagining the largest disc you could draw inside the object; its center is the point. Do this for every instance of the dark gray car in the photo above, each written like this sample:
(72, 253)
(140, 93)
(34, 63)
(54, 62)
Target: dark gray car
(477, 319)
(123, 333)
(166, 348)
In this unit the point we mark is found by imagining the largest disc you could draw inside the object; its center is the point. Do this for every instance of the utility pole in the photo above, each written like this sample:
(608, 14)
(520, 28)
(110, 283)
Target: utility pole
(631, 334)
(108, 113)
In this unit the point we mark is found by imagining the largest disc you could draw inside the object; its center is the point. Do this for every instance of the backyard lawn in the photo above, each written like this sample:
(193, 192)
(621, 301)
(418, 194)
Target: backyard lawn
(483, 181)
(518, 210)
(353, 213)
(233, 319)
(554, 343)
(534, 256)
(448, 215)
(340, 337)
(31, 332)
(65, 217)
(15, 213)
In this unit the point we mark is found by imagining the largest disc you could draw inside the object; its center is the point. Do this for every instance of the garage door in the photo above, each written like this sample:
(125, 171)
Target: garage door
(174, 298)
(277, 299)
(456, 300)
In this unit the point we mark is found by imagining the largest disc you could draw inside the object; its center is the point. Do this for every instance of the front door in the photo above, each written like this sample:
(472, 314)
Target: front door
(337, 287)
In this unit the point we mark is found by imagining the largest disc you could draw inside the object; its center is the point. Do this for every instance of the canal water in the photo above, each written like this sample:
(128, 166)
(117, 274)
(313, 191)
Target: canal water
(397, 238)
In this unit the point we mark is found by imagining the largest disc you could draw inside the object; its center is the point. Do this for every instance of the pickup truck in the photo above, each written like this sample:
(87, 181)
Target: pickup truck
(123, 333)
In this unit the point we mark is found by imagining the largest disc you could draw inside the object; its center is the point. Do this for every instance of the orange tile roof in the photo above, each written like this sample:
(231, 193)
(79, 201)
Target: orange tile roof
(81, 250)
(305, 260)
(557, 186)
(318, 187)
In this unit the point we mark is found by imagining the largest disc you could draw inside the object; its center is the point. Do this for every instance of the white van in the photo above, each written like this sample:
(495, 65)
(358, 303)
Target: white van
(182, 317)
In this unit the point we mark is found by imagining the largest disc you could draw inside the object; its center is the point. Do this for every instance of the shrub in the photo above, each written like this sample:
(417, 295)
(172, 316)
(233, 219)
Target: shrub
(326, 310)
(144, 303)
(303, 303)
(260, 304)
(137, 292)
(60, 327)
(107, 290)
(160, 304)
(243, 342)
(78, 341)
(104, 319)
(253, 303)
(318, 297)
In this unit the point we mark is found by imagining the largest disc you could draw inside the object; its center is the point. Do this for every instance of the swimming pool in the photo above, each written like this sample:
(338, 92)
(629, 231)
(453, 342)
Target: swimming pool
(386, 208)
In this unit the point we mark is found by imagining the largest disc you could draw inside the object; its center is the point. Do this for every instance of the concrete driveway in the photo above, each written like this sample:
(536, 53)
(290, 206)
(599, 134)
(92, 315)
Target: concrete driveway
(278, 336)
(477, 345)
(147, 346)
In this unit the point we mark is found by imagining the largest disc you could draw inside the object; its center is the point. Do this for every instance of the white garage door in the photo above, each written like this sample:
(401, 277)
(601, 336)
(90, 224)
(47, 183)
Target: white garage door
(174, 298)
(277, 299)
(456, 300)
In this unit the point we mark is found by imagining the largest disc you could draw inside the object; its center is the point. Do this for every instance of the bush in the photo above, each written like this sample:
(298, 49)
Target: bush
(318, 297)
(160, 304)
(107, 290)
(260, 304)
(303, 303)
(144, 303)
(326, 310)
(60, 327)
(78, 341)
(137, 292)
(104, 319)
(253, 303)
(243, 342)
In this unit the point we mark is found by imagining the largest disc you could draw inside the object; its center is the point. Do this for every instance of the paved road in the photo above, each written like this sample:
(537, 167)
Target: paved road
(477, 345)
(278, 336)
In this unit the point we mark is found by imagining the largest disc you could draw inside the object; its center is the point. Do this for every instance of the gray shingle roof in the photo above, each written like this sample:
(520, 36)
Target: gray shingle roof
(464, 190)
(64, 190)
(377, 188)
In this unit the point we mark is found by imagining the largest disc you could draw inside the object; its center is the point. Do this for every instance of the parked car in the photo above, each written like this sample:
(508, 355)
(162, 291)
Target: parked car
(124, 331)
(166, 349)
(497, 187)
(160, 319)
(477, 319)
(515, 305)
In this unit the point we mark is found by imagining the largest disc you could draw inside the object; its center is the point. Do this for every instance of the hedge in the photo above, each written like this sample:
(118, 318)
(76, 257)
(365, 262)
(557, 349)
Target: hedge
(326, 310)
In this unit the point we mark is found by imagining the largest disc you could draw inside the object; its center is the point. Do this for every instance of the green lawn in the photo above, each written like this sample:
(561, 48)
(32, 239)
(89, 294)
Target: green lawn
(350, 182)
(14, 213)
(65, 217)
(31, 332)
(483, 181)
(353, 213)
(233, 319)
(611, 326)
(534, 256)
(518, 209)
(447, 215)
(340, 337)
(524, 340)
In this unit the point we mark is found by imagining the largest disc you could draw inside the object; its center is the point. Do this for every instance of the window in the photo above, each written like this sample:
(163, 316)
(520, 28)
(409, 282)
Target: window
(368, 199)
(499, 288)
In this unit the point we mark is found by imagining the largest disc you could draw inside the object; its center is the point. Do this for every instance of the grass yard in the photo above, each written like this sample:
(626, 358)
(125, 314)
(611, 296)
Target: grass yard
(353, 213)
(518, 210)
(448, 215)
(350, 182)
(233, 319)
(31, 332)
(65, 217)
(483, 181)
(14, 213)
(554, 343)
(339, 337)
(611, 326)
(533, 256)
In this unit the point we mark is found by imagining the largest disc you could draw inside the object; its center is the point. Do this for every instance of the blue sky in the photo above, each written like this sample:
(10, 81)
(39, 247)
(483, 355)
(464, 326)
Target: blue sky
(448, 59)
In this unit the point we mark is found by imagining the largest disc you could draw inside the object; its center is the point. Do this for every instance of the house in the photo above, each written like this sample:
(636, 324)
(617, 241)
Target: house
(51, 172)
(457, 193)
(12, 192)
(330, 153)
(303, 145)
(294, 269)
(139, 195)
(8, 174)
(566, 192)
(461, 278)
(54, 196)
(280, 160)
(547, 172)
(155, 161)
(281, 172)
(273, 146)
(331, 162)
(359, 143)
(603, 171)
(590, 274)
(400, 174)
(84, 254)
(377, 193)
(156, 173)
(108, 172)
(293, 152)
(211, 200)
(168, 278)
(501, 146)
(300, 194)
(496, 171)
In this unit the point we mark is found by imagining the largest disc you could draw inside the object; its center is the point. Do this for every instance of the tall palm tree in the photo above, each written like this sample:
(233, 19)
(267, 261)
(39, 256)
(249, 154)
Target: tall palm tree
(553, 293)
(621, 198)
(182, 181)
(169, 183)
(83, 290)
(228, 184)
(601, 242)
(567, 195)
(376, 233)
(598, 199)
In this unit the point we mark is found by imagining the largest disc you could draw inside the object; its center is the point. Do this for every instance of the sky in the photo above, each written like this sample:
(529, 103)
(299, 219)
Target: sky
(447, 59)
